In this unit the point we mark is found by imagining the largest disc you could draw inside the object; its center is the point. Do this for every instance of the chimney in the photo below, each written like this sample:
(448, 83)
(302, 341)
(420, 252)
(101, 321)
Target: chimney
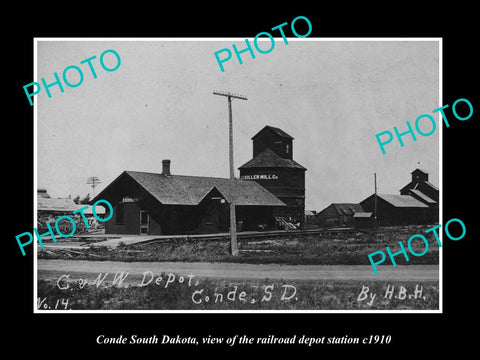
(166, 167)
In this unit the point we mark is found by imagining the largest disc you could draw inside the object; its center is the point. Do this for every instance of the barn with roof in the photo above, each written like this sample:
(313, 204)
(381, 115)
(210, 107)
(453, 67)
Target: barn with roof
(421, 188)
(162, 203)
(393, 209)
(417, 203)
(338, 214)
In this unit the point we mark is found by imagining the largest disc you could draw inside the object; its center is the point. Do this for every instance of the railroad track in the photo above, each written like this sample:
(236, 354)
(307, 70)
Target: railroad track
(113, 241)
(257, 235)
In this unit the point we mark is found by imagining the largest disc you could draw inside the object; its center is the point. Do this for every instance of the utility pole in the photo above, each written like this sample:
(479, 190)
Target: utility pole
(93, 182)
(233, 221)
(375, 206)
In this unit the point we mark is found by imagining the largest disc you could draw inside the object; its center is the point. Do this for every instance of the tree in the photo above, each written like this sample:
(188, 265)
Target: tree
(76, 199)
(86, 199)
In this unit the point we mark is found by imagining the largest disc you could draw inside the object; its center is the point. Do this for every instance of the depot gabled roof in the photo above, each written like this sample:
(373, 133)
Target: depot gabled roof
(191, 190)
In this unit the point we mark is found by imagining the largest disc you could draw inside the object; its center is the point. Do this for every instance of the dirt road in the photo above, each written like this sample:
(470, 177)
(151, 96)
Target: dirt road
(52, 269)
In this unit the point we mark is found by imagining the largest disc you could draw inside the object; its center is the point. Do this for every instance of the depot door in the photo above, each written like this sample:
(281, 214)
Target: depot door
(144, 220)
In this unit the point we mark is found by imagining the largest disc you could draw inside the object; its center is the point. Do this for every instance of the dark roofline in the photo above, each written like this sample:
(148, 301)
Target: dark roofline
(335, 207)
(123, 173)
(423, 198)
(324, 209)
(189, 176)
(421, 170)
(408, 186)
(340, 206)
(380, 197)
(288, 163)
(299, 167)
(129, 173)
(278, 131)
(431, 185)
(175, 175)
(99, 197)
(346, 204)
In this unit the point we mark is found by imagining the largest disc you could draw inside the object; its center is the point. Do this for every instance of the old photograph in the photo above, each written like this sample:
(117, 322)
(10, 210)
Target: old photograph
(238, 175)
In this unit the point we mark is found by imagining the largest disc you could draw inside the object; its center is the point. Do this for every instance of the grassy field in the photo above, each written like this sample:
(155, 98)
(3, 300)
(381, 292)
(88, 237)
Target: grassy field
(340, 249)
(209, 294)
(218, 294)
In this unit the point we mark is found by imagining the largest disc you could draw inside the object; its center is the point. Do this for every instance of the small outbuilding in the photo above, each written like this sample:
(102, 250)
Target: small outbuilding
(397, 209)
(310, 217)
(338, 214)
(364, 221)
(50, 209)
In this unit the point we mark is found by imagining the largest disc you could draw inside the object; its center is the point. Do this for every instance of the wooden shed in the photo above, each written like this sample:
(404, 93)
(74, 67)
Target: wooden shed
(397, 209)
(364, 221)
(338, 214)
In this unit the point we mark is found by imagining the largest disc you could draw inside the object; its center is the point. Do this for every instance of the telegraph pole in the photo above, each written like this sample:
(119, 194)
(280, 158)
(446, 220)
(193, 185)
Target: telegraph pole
(233, 221)
(93, 181)
(375, 206)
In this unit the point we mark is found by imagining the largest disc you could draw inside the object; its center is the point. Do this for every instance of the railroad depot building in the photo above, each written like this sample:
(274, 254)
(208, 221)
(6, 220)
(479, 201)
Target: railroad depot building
(162, 203)
(271, 189)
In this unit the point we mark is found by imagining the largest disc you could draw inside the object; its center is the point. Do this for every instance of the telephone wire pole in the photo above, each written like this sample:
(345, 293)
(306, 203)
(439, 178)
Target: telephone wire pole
(233, 221)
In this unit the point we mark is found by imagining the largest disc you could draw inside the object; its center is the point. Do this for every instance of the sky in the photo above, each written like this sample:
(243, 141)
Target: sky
(332, 96)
